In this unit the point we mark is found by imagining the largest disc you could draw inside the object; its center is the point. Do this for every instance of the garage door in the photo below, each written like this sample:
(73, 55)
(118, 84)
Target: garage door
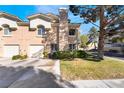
(36, 51)
(10, 50)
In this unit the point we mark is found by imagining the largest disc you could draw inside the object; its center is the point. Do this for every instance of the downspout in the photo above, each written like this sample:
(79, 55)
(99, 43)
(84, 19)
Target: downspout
(77, 38)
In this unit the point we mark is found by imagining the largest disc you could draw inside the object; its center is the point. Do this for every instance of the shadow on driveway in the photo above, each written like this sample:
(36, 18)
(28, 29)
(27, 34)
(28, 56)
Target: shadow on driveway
(28, 77)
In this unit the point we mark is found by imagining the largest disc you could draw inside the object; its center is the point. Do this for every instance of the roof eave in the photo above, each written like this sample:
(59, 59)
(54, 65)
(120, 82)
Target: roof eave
(42, 16)
(13, 17)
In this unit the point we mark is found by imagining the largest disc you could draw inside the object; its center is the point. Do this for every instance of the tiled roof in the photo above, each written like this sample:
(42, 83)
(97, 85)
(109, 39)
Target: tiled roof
(39, 15)
(13, 17)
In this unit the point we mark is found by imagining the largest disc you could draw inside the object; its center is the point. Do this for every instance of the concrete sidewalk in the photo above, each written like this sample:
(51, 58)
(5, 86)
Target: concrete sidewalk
(115, 58)
(115, 83)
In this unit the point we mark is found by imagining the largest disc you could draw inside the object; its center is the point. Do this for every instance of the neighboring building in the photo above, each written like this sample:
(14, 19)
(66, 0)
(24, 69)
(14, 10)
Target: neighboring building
(114, 41)
(43, 32)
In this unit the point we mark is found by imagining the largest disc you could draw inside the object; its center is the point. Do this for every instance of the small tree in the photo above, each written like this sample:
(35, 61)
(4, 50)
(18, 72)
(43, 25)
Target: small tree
(84, 40)
(93, 37)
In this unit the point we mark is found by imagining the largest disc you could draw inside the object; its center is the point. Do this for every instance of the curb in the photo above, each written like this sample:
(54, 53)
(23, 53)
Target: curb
(56, 70)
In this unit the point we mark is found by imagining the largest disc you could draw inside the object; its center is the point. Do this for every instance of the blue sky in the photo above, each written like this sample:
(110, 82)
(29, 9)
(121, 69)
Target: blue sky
(22, 11)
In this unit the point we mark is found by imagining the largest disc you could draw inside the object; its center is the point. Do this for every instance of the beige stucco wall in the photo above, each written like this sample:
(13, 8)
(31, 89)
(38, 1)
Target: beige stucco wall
(23, 37)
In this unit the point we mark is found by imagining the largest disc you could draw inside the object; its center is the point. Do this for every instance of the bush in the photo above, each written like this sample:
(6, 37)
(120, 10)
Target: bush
(15, 57)
(21, 57)
(80, 54)
(69, 54)
(62, 55)
(46, 54)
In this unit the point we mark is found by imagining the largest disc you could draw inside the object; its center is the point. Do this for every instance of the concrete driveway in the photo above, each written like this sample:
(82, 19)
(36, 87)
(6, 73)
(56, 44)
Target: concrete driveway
(31, 73)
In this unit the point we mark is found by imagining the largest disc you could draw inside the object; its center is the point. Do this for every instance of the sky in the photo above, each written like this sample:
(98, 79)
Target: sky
(22, 11)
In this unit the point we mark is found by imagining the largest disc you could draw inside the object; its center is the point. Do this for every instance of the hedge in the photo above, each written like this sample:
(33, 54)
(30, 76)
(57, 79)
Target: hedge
(69, 54)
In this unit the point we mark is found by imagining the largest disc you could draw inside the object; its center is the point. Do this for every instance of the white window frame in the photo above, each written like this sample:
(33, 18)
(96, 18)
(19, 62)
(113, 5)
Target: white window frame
(42, 28)
(9, 33)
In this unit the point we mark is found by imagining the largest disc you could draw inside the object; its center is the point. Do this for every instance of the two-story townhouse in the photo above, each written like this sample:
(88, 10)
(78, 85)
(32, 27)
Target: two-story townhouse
(42, 32)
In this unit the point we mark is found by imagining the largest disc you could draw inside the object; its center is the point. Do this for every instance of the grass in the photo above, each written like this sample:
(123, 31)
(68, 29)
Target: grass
(80, 69)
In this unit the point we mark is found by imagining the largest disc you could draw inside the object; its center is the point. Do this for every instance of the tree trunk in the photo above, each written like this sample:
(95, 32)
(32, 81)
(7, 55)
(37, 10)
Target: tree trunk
(101, 34)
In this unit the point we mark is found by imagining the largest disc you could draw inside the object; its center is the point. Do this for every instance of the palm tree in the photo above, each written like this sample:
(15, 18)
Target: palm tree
(93, 37)
(84, 40)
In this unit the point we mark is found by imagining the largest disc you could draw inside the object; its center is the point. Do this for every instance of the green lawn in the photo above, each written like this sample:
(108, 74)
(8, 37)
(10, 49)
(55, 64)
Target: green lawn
(80, 69)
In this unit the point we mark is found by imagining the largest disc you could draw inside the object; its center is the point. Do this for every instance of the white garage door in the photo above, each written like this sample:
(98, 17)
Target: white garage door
(36, 50)
(10, 50)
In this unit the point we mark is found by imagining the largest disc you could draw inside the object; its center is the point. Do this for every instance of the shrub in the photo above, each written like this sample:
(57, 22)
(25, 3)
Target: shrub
(62, 55)
(21, 57)
(80, 54)
(25, 56)
(15, 57)
(46, 54)
(69, 54)
(55, 55)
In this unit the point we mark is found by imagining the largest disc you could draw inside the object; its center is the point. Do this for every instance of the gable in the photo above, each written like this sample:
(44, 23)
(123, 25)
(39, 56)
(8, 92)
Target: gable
(38, 21)
(9, 22)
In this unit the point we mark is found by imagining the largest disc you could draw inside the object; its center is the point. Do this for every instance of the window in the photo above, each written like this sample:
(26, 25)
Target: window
(7, 31)
(72, 46)
(54, 47)
(72, 32)
(41, 30)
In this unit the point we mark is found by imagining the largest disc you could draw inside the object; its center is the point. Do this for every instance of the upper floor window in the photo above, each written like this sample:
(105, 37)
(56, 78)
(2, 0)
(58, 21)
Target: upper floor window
(41, 30)
(7, 31)
(72, 32)
(72, 46)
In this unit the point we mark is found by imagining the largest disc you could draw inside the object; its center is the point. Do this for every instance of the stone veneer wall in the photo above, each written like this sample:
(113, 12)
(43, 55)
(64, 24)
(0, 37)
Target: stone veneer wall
(63, 29)
(51, 38)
